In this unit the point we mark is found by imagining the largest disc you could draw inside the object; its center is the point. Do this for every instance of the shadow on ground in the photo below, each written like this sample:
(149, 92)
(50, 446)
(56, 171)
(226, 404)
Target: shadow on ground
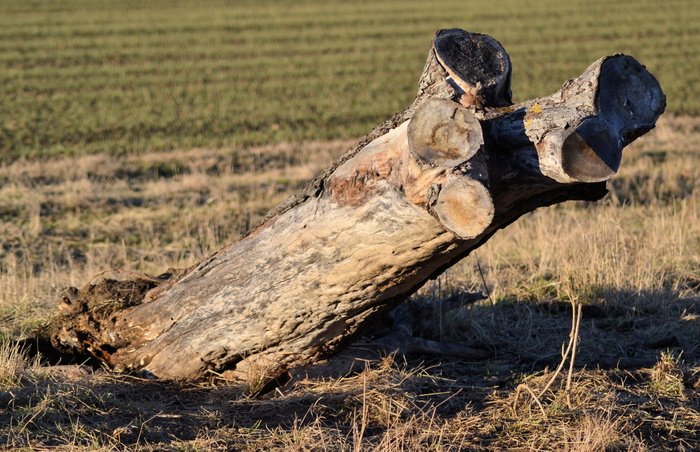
(638, 366)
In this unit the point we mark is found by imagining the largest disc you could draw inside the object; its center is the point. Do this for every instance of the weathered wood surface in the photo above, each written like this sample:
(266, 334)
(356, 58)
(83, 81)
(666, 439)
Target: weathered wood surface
(418, 194)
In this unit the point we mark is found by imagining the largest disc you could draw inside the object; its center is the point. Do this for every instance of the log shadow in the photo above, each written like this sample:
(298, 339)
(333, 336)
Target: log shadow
(621, 328)
(130, 412)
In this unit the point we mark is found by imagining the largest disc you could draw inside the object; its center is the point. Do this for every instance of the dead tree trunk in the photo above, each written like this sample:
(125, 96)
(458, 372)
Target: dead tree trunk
(419, 193)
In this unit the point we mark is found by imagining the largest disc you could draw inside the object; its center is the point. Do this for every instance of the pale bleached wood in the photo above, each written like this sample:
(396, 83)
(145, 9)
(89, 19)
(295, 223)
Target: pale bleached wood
(381, 221)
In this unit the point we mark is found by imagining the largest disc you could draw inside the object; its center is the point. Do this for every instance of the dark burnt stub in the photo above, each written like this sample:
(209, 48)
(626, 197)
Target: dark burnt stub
(478, 65)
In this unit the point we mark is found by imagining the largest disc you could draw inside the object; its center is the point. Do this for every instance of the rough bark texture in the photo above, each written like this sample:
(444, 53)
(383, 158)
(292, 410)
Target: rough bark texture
(416, 195)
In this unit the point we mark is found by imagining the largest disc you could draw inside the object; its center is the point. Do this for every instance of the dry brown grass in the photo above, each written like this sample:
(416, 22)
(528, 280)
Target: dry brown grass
(16, 368)
(632, 260)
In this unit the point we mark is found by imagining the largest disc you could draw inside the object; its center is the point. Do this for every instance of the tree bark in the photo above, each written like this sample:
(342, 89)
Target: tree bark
(416, 195)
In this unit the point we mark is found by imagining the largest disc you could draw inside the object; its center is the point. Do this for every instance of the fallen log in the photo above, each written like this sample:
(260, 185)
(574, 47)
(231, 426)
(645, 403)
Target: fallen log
(413, 197)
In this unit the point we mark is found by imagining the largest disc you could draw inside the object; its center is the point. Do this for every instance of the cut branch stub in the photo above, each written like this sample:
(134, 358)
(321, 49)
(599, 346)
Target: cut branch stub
(478, 65)
(442, 132)
(579, 132)
(463, 206)
(592, 152)
(627, 104)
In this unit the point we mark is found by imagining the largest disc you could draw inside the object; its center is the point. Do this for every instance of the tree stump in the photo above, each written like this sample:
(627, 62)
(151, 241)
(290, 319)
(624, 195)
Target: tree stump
(413, 197)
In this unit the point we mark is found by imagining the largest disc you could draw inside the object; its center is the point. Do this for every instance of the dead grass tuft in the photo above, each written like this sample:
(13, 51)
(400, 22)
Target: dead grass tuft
(668, 377)
(16, 368)
(599, 431)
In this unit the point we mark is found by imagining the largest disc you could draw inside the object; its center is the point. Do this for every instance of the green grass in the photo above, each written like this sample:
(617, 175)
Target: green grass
(85, 76)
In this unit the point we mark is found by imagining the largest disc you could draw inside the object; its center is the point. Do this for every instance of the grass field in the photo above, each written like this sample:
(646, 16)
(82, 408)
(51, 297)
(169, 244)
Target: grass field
(82, 76)
(144, 135)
